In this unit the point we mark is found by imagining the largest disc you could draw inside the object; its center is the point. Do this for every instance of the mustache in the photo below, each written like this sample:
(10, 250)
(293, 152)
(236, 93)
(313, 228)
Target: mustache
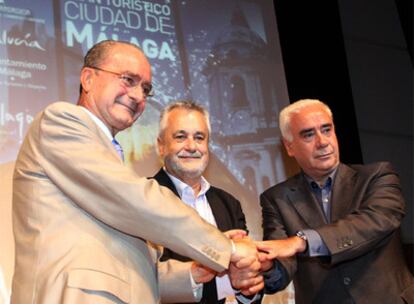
(194, 154)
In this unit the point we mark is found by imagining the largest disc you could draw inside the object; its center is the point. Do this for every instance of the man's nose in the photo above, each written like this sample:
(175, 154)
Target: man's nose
(322, 141)
(190, 144)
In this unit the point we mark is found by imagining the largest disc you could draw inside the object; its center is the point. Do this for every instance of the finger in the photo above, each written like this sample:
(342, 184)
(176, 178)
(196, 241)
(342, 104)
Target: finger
(245, 284)
(265, 266)
(264, 246)
(262, 257)
(235, 233)
(254, 288)
(244, 274)
(267, 251)
(245, 262)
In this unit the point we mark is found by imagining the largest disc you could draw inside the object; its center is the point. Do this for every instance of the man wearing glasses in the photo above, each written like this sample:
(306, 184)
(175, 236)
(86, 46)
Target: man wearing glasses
(85, 224)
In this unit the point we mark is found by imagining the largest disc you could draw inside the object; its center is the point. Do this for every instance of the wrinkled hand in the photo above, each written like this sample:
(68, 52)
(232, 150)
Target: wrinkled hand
(244, 248)
(245, 266)
(201, 274)
(281, 248)
(247, 279)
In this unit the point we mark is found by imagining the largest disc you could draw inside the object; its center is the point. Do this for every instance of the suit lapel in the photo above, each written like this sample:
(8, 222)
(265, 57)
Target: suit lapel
(219, 210)
(305, 203)
(101, 136)
(210, 289)
(162, 178)
(342, 192)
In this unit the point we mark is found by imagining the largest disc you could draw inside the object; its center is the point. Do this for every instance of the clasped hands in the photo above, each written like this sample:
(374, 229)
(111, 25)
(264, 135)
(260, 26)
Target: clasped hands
(245, 266)
(252, 258)
(244, 269)
(249, 259)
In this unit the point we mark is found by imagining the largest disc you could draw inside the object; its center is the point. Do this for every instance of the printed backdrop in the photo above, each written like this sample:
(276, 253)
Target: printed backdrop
(223, 54)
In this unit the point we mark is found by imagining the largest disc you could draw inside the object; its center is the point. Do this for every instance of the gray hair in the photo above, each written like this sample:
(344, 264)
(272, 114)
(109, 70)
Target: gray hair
(186, 105)
(286, 114)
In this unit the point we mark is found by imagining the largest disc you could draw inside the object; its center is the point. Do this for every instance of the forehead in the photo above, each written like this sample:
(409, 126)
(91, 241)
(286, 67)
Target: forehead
(188, 120)
(310, 117)
(126, 57)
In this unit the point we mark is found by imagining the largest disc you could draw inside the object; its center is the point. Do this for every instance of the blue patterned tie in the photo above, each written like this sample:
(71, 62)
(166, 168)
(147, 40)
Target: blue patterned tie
(118, 148)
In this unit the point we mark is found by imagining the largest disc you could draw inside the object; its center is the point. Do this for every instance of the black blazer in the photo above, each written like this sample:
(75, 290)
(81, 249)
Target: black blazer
(228, 215)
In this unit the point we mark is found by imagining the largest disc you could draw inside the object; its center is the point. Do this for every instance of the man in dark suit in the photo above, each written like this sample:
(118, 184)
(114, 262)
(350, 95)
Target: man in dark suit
(333, 228)
(183, 146)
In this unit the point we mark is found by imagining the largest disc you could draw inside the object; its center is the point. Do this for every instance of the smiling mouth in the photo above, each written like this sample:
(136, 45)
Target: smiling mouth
(327, 155)
(189, 157)
(130, 109)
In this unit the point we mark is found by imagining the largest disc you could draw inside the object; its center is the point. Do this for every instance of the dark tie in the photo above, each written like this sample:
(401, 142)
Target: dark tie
(118, 148)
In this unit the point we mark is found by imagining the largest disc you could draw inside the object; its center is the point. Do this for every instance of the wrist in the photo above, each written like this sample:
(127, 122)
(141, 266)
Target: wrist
(302, 241)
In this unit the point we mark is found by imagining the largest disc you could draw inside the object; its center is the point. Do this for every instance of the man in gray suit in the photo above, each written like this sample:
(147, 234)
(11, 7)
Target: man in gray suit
(343, 221)
(85, 225)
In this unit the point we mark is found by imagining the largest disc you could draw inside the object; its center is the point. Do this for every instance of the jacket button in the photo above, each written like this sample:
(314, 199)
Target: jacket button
(347, 281)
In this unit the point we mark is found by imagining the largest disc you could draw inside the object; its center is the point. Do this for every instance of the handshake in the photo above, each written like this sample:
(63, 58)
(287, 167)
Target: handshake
(249, 259)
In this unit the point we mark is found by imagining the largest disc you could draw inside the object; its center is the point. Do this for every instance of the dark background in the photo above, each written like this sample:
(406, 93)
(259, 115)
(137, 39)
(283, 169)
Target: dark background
(357, 56)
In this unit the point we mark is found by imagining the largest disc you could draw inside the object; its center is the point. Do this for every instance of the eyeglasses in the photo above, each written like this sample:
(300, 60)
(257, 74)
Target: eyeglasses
(130, 81)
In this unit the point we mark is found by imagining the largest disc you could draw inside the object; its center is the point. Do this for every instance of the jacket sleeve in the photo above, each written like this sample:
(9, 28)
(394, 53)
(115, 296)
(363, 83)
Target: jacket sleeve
(175, 282)
(273, 229)
(82, 163)
(377, 211)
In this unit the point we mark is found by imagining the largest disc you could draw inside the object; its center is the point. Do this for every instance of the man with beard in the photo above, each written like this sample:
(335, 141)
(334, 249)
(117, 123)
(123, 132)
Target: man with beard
(184, 134)
(343, 220)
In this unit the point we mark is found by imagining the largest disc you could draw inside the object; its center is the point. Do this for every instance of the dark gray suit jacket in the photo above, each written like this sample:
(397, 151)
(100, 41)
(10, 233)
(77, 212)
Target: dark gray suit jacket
(366, 264)
(228, 215)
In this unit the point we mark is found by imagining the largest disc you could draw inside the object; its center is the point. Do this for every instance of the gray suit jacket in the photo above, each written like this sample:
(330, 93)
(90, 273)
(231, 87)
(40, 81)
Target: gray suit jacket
(82, 221)
(366, 264)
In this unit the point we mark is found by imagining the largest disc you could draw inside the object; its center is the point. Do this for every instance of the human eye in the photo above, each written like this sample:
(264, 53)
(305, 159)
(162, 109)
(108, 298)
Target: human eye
(180, 137)
(199, 137)
(128, 81)
(147, 89)
(326, 129)
(307, 135)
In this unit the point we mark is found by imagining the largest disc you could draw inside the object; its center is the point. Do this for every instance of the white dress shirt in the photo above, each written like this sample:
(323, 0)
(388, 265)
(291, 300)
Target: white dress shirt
(201, 205)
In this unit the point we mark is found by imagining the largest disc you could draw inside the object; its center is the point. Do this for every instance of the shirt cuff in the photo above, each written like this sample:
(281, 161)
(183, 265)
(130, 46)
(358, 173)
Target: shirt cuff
(197, 289)
(274, 278)
(316, 246)
(246, 299)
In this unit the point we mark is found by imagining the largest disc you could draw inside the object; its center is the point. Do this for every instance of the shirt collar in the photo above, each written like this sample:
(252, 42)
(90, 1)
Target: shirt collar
(99, 123)
(329, 181)
(183, 187)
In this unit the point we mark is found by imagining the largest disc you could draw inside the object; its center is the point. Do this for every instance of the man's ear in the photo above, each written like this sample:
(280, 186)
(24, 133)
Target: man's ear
(160, 147)
(86, 78)
(288, 147)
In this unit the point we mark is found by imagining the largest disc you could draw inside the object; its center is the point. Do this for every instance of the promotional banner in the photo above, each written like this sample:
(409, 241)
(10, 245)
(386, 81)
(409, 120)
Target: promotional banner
(222, 54)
